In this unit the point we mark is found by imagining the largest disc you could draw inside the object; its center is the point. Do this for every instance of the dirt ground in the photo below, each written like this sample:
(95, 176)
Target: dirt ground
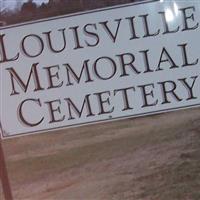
(150, 158)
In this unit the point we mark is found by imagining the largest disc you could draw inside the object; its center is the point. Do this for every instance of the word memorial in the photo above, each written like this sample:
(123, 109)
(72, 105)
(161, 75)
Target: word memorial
(124, 61)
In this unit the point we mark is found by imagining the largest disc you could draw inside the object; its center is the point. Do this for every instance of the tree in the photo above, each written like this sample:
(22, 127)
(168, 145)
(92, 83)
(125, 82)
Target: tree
(29, 7)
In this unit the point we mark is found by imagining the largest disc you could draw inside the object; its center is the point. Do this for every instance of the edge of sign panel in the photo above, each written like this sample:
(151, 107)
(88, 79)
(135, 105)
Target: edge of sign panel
(5, 135)
(79, 13)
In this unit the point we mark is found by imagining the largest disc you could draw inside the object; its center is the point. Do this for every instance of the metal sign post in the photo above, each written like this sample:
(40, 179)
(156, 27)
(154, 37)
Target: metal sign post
(4, 174)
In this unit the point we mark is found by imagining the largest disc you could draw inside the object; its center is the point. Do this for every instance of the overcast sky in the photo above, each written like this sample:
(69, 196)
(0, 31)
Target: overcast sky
(11, 4)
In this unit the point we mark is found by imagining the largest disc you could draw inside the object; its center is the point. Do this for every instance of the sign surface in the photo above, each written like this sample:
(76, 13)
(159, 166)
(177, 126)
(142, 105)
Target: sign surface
(114, 63)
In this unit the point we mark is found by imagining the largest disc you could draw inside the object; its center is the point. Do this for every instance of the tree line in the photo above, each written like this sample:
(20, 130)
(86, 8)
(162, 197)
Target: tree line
(31, 11)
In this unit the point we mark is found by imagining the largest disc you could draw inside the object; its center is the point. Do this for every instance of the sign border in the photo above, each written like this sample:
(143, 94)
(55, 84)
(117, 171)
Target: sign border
(78, 13)
(7, 136)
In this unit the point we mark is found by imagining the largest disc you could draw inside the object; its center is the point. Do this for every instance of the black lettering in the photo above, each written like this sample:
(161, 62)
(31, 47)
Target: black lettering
(53, 110)
(146, 27)
(103, 101)
(24, 86)
(40, 42)
(3, 51)
(124, 93)
(165, 57)
(79, 112)
(20, 113)
(49, 41)
(186, 19)
(125, 64)
(51, 76)
(112, 35)
(146, 94)
(189, 87)
(185, 57)
(166, 92)
(112, 64)
(76, 77)
(91, 34)
(166, 25)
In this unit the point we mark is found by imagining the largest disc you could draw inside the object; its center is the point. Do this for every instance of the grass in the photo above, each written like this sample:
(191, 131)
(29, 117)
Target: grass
(170, 169)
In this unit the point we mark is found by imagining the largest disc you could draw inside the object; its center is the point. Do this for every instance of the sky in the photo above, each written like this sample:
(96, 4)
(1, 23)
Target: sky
(11, 4)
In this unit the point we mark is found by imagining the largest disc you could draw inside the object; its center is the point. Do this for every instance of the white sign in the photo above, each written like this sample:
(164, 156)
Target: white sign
(113, 63)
